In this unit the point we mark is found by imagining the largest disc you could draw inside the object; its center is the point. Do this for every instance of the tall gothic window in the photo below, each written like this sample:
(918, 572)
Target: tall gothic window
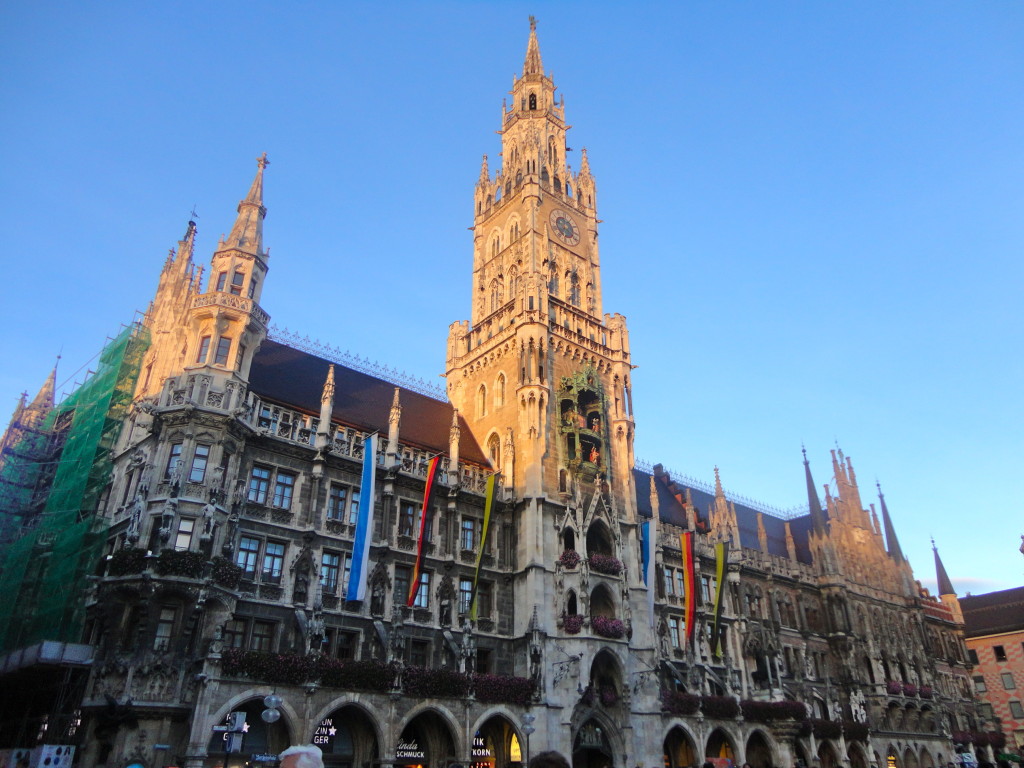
(481, 401)
(574, 289)
(494, 451)
(513, 280)
(495, 294)
(499, 390)
(533, 101)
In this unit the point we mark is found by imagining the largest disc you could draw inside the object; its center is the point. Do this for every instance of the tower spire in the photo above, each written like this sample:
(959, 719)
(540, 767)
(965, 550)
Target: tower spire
(533, 65)
(945, 586)
(817, 515)
(44, 399)
(247, 233)
(891, 542)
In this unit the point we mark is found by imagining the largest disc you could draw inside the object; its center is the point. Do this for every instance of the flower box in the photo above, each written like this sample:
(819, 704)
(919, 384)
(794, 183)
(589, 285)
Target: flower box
(606, 564)
(719, 707)
(910, 689)
(770, 711)
(572, 624)
(226, 573)
(569, 559)
(676, 703)
(433, 683)
(926, 691)
(893, 687)
(173, 563)
(127, 562)
(606, 627)
(503, 689)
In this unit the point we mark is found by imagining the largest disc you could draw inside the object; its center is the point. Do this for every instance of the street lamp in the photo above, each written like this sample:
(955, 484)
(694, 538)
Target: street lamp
(271, 714)
(528, 728)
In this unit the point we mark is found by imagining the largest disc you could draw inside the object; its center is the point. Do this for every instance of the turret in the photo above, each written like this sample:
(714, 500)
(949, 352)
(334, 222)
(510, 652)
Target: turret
(945, 587)
(818, 518)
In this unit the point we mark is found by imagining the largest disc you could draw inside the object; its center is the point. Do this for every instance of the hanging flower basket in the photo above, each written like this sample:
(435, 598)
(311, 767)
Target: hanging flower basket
(127, 562)
(894, 687)
(719, 707)
(226, 573)
(609, 696)
(910, 689)
(503, 689)
(174, 563)
(926, 691)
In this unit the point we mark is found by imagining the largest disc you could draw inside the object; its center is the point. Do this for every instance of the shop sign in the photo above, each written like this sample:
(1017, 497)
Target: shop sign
(324, 734)
(408, 750)
(482, 755)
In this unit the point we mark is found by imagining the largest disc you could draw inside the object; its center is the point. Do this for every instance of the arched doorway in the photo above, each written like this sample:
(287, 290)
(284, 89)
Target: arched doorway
(426, 741)
(892, 759)
(856, 755)
(496, 743)
(909, 759)
(348, 738)
(591, 748)
(827, 755)
(260, 741)
(925, 759)
(720, 749)
(680, 751)
(759, 751)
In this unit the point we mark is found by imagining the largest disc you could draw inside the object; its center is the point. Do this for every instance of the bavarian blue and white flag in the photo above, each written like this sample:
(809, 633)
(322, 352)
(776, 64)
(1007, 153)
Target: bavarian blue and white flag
(649, 533)
(364, 525)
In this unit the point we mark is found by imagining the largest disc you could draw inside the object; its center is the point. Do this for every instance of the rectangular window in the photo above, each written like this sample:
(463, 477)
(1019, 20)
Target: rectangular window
(204, 349)
(422, 598)
(336, 501)
(183, 540)
(402, 576)
(668, 582)
(465, 595)
(330, 571)
(419, 652)
(222, 280)
(245, 558)
(262, 636)
(259, 483)
(164, 629)
(234, 633)
(353, 508)
(483, 661)
(680, 584)
(346, 645)
(173, 460)
(237, 280)
(283, 488)
(273, 562)
(1016, 710)
(707, 589)
(1000, 652)
(346, 571)
(673, 632)
(407, 519)
(252, 287)
(972, 655)
(979, 684)
(469, 537)
(1008, 682)
(240, 356)
(223, 350)
(484, 599)
(199, 459)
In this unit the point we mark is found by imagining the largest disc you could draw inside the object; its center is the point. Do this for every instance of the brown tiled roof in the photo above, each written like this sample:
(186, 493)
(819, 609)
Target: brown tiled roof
(291, 377)
(993, 613)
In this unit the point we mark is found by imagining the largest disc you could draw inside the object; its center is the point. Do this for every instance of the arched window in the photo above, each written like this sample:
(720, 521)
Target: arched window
(544, 176)
(499, 391)
(519, 178)
(496, 245)
(481, 401)
(574, 288)
(508, 188)
(494, 451)
(533, 101)
(513, 280)
(568, 189)
(553, 284)
(495, 294)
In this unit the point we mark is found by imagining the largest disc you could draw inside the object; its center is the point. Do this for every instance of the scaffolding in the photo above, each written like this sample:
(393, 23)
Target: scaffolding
(53, 492)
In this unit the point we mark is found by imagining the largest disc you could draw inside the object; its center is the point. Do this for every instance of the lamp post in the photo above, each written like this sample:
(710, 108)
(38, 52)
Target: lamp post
(528, 728)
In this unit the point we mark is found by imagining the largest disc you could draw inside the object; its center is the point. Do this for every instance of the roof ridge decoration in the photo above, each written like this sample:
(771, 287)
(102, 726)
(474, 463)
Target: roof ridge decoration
(361, 364)
(709, 488)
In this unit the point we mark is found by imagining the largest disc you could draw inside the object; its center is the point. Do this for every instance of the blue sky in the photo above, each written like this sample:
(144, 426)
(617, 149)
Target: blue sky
(813, 212)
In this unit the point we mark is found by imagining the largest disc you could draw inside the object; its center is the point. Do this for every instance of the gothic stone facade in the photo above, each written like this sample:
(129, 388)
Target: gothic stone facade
(237, 487)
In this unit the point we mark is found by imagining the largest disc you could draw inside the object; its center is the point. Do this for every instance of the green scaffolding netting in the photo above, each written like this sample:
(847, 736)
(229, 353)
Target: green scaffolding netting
(44, 570)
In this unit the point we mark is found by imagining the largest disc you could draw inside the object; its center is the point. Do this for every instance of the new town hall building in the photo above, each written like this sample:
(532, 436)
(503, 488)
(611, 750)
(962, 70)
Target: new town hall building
(232, 492)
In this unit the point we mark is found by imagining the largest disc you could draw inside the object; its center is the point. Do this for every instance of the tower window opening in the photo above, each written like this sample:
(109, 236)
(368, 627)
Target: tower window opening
(533, 101)
(252, 287)
(494, 451)
(508, 188)
(222, 281)
(568, 189)
(481, 402)
(237, 280)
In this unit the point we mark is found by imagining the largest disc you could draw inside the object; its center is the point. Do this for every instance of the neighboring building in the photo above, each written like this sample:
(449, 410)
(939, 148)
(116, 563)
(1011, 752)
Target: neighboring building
(231, 520)
(994, 628)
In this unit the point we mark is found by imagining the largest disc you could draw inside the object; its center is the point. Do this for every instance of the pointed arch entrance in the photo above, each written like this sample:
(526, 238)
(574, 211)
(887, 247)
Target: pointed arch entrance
(348, 738)
(427, 740)
(258, 738)
(720, 746)
(496, 744)
(759, 751)
(591, 748)
(680, 751)
(827, 755)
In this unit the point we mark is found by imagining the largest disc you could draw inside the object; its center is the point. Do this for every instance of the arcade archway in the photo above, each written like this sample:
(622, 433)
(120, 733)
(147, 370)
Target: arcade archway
(348, 738)
(259, 743)
(427, 741)
(680, 751)
(591, 747)
(496, 745)
(759, 751)
(720, 746)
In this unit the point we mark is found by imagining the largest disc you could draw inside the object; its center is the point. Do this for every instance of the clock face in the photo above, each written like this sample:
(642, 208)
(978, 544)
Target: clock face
(565, 229)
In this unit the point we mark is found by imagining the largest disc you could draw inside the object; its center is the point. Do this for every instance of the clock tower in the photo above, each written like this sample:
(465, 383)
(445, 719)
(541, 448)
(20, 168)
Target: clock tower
(541, 375)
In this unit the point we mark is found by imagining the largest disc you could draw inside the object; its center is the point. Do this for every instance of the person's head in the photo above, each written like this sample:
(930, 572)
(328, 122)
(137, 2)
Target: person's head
(549, 759)
(708, 764)
(302, 756)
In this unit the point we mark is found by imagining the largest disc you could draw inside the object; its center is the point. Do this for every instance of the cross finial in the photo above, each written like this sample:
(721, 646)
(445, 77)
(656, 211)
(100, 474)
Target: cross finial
(262, 160)
(193, 215)
(533, 23)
